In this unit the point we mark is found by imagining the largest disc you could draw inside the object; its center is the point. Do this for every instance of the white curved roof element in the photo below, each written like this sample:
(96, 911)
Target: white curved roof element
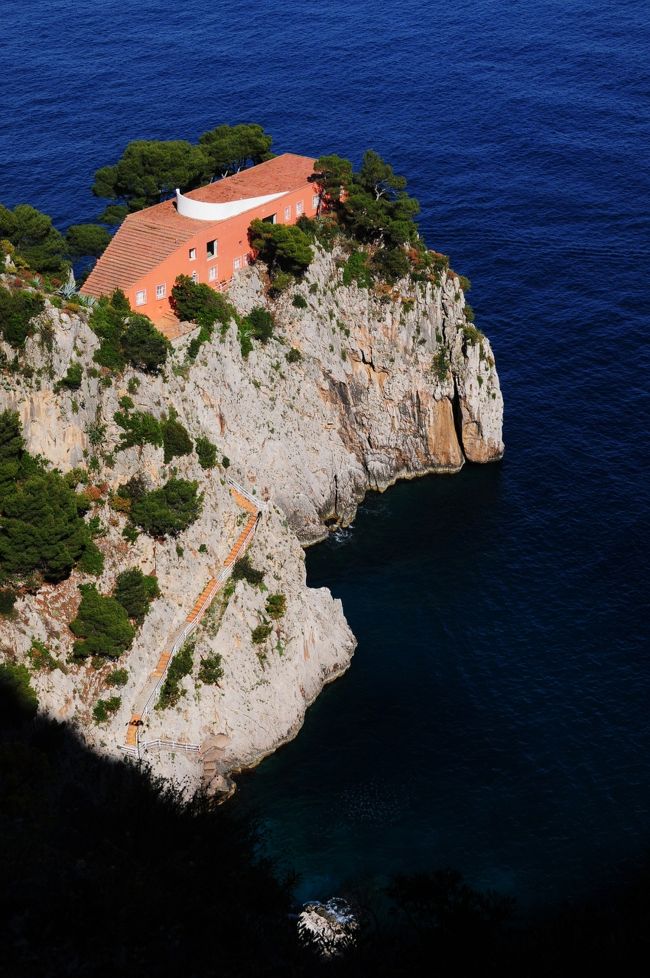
(199, 210)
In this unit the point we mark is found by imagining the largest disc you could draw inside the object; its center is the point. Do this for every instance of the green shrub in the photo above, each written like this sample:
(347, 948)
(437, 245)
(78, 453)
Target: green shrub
(391, 263)
(243, 570)
(34, 237)
(72, 379)
(356, 269)
(7, 602)
(91, 560)
(169, 510)
(465, 283)
(144, 347)
(118, 677)
(126, 402)
(179, 667)
(280, 282)
(102, 626)
(176, 439)
(104, 709)
(299, 301)
(260, 323)
(276, 605)
(294, 355)
(23, 701)
(126, 337)
(139, 428)
(135, 591)
(196, 302)
(472, 334)
(211, 670)
(206, 452)
(468, 312)
(225, 461)
(17, 313)
(260, 633)
(440, 364)
(41, 657)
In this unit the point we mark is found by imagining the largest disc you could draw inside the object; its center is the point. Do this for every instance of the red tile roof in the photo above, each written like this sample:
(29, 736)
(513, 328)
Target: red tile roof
(148, 237)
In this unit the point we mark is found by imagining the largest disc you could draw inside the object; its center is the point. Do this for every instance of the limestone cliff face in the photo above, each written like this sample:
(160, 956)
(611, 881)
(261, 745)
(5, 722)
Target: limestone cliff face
(389, 386)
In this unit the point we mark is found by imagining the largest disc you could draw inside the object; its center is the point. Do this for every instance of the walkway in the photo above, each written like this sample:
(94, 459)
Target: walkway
(175, 641)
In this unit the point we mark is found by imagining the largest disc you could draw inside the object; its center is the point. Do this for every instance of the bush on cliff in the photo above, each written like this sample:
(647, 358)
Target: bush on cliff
(34, 237)
(102, 626)
(138, 428)
(206, 452)
(281, 247)
(180, 666)
(169, 510)
(176, 439)
(244, 571)
(17, 313)
(135, 591)
(126, 338)
(41, 525)
(196, 302)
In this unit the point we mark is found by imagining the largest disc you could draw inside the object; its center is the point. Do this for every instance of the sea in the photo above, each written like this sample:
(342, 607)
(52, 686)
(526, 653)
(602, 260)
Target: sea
(495, 716)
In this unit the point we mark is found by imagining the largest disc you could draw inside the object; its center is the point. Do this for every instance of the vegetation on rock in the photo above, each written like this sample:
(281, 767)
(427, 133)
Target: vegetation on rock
(211, 669)
(102, 626)
(126, 338)
(169, 510)
(243, 570)
(135, 591)
(179, 667)
(18, 309)
(104, 709)
(206, 452)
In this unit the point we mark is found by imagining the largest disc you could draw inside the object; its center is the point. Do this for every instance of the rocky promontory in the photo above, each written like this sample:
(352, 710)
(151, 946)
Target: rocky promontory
(379, 385)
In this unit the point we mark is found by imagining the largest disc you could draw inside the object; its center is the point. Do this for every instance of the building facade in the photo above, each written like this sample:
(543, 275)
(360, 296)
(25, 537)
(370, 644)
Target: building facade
(203, 234)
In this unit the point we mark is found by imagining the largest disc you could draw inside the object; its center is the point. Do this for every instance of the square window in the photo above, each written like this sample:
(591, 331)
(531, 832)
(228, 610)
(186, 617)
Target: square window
(299, 208)
(141, 297)
(287, 213)
(212, 248)
(236, 265)
(212, 273)
(192, 254)
(161, 291)
(315, 201)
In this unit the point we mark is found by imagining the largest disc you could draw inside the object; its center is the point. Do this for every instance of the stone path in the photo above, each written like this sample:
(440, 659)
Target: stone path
(175, 640)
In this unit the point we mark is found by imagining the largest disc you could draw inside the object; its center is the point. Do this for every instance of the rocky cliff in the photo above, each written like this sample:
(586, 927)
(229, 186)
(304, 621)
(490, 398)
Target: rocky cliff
(390, 384)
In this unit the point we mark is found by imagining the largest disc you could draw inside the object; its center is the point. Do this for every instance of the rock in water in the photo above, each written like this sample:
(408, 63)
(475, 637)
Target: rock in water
(329, 928)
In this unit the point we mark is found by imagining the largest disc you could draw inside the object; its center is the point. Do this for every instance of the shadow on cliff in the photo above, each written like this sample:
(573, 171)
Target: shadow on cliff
(106, 870)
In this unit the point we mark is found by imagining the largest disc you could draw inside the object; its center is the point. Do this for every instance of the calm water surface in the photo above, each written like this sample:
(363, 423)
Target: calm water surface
(495, 717)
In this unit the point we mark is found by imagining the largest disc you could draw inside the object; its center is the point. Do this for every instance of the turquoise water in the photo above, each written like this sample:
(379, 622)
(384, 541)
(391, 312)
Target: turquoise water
(495, 715)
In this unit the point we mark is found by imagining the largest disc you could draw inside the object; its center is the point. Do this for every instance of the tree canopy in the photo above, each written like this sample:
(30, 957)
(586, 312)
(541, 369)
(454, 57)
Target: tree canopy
(86, 240)
(135, 591)
(102, 626)
(169, 510)
(34, 237)
(231, 148)
(150, 170)
(127, 337)
(282, 246)
(18, 309)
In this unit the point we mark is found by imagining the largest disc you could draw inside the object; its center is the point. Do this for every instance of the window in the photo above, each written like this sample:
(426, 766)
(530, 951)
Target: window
(195, 276)
(299, 208)
(161, 291)
(315, 201)
(141, 297)
(236, 265)
(212, 248)
(212, 273)
(270, 219)
(192, 254)
(287, 213)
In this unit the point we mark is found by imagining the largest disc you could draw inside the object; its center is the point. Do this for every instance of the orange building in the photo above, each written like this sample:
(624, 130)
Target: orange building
(203, 233)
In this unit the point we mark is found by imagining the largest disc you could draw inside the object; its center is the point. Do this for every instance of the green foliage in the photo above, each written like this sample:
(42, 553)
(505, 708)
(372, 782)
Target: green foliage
(72, 379)
(472, 334)
(150, 170)
(280, 282)
(86, 240)
(333, 176)
(169, 510)
(139, 428)
(211, 669)
(391, 263)
(41, 657)
(244, 571)
(7, 602)
(176, 439)
(281, 246)
(118, 677)
(102, 626)
(17, 313)
(465, 283)
(127, 338)
(144, 347)
(276, 605)
(34, 237)
(299, 301)
(197, 303)
(91, 560)
(15, 681)
(469, 312)
(206, 452)
(294, 355)
(135, 591)
(126, 402)
(440, 364)
(179, 667)
(356, 269)
(104, 709)
(258, 325)
(231, 148)
(260, 633)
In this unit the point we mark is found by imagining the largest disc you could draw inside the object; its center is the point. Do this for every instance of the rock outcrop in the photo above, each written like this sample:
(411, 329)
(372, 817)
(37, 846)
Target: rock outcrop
(388, 386)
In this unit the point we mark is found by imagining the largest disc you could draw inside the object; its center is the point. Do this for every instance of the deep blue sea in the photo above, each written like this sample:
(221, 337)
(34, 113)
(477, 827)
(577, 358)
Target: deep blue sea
(495, 717)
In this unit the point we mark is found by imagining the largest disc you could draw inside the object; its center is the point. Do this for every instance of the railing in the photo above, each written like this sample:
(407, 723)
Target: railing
(183, 633)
